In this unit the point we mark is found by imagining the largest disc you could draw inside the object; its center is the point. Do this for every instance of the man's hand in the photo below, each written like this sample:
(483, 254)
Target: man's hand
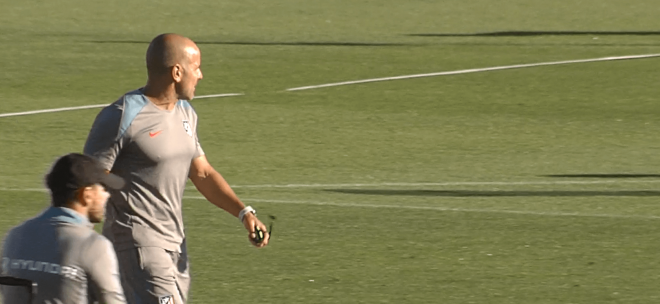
(250, 221)
(215, 189)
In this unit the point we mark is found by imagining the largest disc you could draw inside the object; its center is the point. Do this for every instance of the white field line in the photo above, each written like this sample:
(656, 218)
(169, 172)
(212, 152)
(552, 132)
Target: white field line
(315, 203)
(477, 70)
(517, 66)
(24, 190)
(52, 110)
(446, 184)
(432, 208)
(219, 95)
(96, 106)
(294, 186)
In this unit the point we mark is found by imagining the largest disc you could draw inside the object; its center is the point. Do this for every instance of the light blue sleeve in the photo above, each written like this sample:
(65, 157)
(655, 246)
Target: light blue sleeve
(108, 134)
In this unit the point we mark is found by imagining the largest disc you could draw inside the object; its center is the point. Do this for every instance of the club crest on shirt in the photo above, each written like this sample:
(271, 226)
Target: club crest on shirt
(187, 128)
(166, 300)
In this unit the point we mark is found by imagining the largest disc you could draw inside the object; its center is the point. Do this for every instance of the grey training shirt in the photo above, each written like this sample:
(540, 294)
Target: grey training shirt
(152, 149)
(66, 258)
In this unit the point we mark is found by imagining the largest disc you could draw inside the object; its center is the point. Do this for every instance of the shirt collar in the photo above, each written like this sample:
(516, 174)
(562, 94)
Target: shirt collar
(67, 215)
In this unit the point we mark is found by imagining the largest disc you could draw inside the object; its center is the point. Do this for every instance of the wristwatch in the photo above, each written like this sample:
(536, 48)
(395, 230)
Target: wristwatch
(241, 215)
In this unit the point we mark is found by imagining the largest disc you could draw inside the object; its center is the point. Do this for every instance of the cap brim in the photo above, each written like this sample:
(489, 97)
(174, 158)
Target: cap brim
(113, 181)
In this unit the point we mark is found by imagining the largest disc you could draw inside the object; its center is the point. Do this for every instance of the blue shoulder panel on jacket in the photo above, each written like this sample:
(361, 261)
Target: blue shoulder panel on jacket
(184, 103)
(63, 214)
(134, 102)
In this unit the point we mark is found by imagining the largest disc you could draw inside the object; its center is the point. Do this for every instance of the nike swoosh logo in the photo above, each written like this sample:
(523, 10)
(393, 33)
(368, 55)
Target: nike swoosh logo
(154, 134)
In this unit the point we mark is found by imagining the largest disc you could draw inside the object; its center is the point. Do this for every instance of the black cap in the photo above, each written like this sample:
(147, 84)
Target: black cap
(74, 171)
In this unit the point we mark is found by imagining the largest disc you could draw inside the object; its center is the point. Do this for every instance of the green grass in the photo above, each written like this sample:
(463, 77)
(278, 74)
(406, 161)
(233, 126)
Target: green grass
(446, 233)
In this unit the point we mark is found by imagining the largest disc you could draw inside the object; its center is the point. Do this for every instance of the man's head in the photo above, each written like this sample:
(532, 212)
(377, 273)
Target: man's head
(176, 60)
(78, 182)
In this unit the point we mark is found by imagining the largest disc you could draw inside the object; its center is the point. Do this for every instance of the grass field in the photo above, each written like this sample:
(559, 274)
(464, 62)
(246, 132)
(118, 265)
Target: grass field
(536, 185)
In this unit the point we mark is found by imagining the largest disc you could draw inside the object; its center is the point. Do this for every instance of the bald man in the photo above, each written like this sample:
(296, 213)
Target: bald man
(149, 137)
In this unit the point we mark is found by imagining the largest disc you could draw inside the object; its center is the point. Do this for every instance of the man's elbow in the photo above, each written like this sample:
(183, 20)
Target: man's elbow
(202, 175)
(197, 176)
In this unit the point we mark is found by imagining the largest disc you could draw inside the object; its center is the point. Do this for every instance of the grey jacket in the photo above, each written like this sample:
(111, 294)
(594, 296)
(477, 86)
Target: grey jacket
(69, 261)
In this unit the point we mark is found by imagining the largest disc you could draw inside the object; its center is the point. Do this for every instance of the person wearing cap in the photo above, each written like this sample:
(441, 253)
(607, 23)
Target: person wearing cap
(149, 137)
(58, 249)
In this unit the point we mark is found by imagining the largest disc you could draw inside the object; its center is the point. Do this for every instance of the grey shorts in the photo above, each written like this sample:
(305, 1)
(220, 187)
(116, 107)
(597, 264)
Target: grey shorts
(154, 275)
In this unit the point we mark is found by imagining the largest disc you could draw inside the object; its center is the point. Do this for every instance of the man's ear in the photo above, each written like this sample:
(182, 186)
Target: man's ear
(84, 195)
(177, 72)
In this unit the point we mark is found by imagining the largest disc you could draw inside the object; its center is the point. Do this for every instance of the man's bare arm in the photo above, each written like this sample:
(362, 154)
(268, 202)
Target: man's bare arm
(213, 186)
(216, 190)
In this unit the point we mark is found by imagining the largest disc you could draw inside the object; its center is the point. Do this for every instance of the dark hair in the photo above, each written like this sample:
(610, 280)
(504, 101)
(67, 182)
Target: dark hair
(63, 197)
(73, 172)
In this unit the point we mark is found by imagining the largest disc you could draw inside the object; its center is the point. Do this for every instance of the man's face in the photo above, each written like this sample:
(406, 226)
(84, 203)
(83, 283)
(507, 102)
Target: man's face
(98, 197)
(192, 73)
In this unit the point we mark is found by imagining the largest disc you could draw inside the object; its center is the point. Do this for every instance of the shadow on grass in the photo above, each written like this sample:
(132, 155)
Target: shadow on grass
(294, 43)
(368, 44)
(614, 175)
(473, 193)
(540, 33)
